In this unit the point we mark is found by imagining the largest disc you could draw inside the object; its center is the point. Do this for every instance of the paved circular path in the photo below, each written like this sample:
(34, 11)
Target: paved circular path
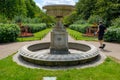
(111, 49)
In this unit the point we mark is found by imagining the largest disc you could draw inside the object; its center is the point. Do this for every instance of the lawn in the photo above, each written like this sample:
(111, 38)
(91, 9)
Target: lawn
(79, 36)
(37, 36)
(109, 70)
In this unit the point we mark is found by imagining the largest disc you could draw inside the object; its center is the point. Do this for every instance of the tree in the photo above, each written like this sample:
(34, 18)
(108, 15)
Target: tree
(107, 9)
(70, 19)
(32, 8)
(85, 8)
(12, 8)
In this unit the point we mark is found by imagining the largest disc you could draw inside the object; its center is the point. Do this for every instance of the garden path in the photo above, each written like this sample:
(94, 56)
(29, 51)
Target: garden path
(111, 49)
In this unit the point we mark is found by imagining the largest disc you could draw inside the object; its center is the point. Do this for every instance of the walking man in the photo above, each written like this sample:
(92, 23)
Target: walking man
(101, 31)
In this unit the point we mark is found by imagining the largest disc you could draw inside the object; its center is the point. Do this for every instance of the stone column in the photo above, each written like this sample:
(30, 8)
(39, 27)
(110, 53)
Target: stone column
(59, 39)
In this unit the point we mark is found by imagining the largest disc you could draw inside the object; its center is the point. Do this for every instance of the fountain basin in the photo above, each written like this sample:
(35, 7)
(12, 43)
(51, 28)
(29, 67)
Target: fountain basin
(40, 54)
(59, 10)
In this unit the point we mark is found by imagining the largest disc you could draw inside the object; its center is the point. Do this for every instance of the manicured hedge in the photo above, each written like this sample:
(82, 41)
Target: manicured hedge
(79, 36)
(35, 27)
(9, 32)
(112, 34)
(79, 27)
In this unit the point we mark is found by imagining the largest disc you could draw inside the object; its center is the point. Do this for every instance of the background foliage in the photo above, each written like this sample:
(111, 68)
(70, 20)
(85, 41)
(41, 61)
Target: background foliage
(25, 9)
(8, 32)
(106, 9)
(113, 32)
(35, 27)
(79, 27)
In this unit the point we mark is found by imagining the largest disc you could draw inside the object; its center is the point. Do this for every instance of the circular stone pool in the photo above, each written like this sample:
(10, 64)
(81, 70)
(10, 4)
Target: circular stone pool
(40, 54)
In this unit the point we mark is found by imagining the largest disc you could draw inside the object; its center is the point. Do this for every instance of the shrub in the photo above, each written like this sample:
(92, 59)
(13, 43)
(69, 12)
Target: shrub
(80, 22)
(8, 32)
(18, 19)
(116, 22)
(79, 36)
(112, 35)
(3, 19)
(79, 27)
(35, 27)
(94, 19)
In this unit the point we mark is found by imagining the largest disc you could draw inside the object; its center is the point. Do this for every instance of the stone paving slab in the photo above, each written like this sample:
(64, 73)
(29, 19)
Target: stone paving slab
(111, 49)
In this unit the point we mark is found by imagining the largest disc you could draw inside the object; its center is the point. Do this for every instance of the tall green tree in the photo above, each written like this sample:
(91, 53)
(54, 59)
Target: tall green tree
(2, 7)
(11, 8)
(107, 9)
(25, 8)
(32, 9)
(85, 8)
(70, 19)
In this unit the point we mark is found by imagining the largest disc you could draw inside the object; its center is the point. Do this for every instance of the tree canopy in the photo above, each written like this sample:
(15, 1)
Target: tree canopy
(22, 9)
(11, 8)
(106, 9)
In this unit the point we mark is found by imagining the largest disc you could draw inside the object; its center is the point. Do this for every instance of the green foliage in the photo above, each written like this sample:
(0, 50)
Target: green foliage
(85, 8)
(25, 11)
(37, 36)
(81, 21)
(79, 27)
(8, 32)
(112, 34)
(94, 19)
(3, 19)
(116, 22)
(70, 19)
(46, 18)
(32, 8)
(22, 19)
(11, 8)
(18, 19)
(106, 9)
(79, 36)
(35, 27)
(109, 70)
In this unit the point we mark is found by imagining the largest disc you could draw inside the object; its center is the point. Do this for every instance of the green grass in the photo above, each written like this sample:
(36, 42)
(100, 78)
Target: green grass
(79, 36)
(109, 70)
(37, 36)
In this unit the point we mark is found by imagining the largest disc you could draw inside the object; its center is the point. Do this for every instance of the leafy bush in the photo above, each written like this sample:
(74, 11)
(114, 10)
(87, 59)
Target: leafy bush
(35, 27)
(22, 19)
(116, 22)
(80, 22)
(8, 32)
(3, 19)
(79, 27)
(112, 35)
(18, 19)
(94, 19)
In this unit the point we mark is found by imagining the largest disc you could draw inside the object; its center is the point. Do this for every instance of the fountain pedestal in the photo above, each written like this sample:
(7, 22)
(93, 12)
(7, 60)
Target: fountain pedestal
(59, 36)
(59, 39)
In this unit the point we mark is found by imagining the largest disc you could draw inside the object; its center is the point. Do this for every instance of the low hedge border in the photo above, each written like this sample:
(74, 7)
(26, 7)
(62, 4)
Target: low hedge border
(9, 32)
(112, 35)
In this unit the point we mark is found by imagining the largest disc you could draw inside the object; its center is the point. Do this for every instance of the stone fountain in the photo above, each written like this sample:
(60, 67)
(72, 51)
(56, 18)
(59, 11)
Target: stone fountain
(59, 52)
(59, 36)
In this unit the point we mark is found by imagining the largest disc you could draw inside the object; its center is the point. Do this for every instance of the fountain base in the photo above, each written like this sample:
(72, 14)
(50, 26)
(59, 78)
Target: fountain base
(40, 54)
